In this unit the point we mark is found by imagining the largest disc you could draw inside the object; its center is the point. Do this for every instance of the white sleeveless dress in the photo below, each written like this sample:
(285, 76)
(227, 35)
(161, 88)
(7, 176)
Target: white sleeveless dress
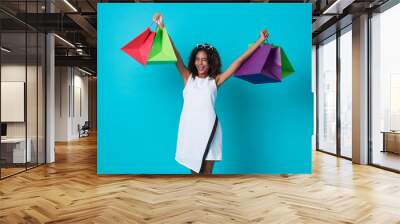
(200, 133)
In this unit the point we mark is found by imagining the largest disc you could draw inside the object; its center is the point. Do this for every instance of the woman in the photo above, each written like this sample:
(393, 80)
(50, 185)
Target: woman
(199, 142)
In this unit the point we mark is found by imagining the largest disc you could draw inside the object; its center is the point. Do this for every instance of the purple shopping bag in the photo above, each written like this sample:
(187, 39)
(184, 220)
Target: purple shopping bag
(263, 66)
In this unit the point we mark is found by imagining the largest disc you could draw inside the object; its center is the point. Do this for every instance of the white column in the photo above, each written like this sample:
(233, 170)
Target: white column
(314, 92)
(50, 100)
(50, 93)
(360, 90)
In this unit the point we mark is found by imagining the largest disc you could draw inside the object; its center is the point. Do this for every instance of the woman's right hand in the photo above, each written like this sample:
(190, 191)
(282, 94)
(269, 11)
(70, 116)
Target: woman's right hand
(158, 19)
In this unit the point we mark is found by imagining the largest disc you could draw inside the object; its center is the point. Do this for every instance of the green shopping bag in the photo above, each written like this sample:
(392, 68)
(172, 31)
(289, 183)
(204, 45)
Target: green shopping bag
(287, 67)
(161, 51)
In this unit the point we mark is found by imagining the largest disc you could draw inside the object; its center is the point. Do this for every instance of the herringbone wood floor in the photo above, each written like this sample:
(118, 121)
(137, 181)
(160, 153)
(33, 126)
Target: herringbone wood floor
(70, 191)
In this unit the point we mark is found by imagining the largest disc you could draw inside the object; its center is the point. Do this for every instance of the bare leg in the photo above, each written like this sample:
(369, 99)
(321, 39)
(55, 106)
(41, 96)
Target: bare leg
(208, 167)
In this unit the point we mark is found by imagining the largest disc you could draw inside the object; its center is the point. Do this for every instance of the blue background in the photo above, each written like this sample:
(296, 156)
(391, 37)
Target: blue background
(266, 128)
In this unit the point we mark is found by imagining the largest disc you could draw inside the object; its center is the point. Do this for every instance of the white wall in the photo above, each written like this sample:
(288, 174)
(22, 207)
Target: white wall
(12, 73)
(13, 100)
(33, 127)
(62, 81)
(71, 94)
(80, 89)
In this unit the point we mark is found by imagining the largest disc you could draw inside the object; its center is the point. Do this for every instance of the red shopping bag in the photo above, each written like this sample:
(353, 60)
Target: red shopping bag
(139, 48)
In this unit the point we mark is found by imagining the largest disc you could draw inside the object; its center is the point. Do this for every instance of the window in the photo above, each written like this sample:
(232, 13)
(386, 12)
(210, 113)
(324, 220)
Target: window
(385, 89)
(327, 96)
(346, 93)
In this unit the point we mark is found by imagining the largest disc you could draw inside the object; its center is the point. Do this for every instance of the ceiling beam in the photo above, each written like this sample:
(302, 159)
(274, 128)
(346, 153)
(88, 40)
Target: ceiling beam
(83, 61)
(84, 24)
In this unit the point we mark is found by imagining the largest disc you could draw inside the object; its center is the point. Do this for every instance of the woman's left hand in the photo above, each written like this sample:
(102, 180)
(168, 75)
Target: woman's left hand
(158, 19)
(263, 35)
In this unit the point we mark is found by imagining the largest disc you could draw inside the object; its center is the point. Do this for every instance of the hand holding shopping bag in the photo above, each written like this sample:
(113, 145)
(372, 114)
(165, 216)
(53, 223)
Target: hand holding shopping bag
(162, 50)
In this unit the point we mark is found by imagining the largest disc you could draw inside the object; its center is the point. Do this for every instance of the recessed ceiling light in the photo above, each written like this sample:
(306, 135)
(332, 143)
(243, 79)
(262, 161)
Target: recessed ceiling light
(335, 7)
(70, 5)
(64, 40)
(84, 71)
(5, 50)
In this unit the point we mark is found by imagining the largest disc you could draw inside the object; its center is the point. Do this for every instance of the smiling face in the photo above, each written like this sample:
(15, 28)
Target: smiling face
(204, 61)
(201, 63)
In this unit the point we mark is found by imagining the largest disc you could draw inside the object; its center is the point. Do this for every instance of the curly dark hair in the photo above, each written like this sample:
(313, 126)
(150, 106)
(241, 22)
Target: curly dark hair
(213, 59)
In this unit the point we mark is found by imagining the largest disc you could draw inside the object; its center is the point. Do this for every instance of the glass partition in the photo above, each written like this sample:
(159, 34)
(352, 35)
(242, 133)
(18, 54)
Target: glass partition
(327, 96)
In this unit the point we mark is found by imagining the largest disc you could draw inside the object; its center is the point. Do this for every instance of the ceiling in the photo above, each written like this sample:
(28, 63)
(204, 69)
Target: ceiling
(76, 22)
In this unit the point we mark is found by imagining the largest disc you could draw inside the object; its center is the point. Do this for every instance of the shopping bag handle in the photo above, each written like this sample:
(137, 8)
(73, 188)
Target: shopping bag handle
(151, 25)
(268, 38)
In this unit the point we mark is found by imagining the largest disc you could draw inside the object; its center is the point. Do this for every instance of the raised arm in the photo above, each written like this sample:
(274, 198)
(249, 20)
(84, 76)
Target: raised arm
(220, 79)
(180, 65)
(157, 18)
